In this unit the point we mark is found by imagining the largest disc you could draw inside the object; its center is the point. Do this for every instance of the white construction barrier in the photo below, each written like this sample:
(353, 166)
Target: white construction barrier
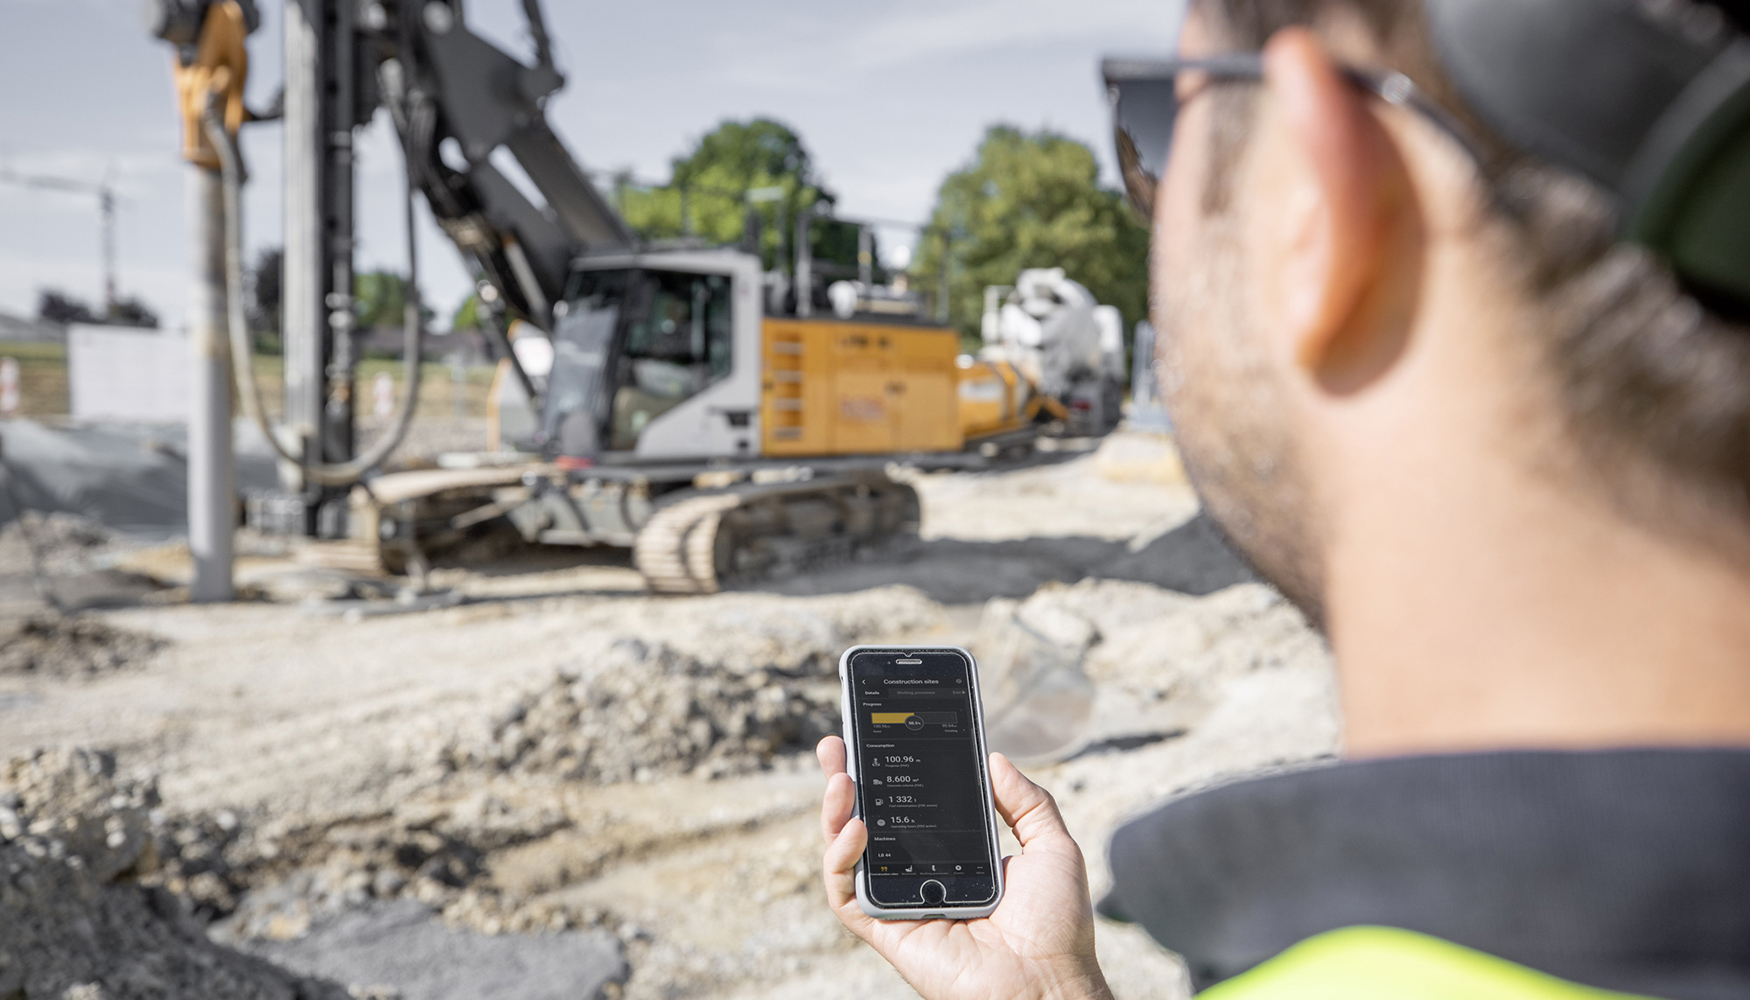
(8, 387)
(127, 374)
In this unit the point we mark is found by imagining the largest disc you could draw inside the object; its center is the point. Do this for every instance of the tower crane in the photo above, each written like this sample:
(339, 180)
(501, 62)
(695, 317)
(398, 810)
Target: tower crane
(106, 201)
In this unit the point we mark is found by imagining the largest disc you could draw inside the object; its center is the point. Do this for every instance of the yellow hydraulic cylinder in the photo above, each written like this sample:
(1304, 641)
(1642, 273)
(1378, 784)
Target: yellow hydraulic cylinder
(220, 67)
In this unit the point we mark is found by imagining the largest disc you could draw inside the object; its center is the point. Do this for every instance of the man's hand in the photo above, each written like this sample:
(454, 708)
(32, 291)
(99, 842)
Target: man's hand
(1038, 944)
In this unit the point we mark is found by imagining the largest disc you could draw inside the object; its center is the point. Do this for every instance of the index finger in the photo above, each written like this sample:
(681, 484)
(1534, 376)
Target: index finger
(839, 800)
(1028, 809)
(831, 753)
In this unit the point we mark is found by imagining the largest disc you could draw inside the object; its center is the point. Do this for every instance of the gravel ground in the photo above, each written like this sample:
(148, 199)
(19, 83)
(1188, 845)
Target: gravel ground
(75, 921)
(565, 773)
(399, 949)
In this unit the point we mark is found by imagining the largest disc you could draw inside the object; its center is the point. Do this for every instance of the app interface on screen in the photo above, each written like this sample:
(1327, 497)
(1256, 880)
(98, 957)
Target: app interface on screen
(922, 795)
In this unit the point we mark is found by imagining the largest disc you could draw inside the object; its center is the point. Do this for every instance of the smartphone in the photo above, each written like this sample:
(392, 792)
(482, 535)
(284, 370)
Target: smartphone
(914, 738)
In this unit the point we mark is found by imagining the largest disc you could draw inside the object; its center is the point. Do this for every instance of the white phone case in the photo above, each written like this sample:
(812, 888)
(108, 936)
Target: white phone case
(869, 906)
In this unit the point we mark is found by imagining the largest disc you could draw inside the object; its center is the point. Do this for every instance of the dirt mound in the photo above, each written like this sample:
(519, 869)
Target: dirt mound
(289, 876)
(63, 542)
(71, 646)
(1105, 662)
(716, 687)
(748, 632)
(1140, 457)
(73, 920)
(1185, 652)
(202, 860)
(642, 711)
(1108, 607)
(719, 692)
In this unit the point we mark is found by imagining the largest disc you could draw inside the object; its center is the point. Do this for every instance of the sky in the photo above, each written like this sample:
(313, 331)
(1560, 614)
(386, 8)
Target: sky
(889, 96)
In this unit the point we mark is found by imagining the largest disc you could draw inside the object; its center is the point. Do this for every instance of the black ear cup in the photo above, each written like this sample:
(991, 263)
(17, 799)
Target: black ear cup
(1649, 98)
(1689, 190)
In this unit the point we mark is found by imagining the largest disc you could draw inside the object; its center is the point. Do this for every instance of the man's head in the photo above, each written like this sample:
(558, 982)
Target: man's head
(1354, 309)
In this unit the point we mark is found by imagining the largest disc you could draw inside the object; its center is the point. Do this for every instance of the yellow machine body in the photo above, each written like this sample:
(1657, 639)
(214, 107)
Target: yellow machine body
(837, 387)
(994, 398)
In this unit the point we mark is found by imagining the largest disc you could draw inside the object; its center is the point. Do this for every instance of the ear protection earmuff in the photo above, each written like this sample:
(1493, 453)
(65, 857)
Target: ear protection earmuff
(1648, 98)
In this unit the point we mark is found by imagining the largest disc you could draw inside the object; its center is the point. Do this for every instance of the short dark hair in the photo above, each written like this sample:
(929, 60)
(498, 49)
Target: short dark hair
(1654, 378)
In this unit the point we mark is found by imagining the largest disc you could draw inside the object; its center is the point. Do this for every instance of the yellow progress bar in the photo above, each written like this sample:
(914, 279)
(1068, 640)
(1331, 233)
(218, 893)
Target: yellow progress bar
(890, 718)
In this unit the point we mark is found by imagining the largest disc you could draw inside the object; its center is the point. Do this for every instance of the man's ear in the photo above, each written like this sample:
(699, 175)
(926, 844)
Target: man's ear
(1352, 234)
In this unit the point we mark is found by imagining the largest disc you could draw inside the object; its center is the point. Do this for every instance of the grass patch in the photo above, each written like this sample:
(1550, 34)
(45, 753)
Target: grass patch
(42, 376)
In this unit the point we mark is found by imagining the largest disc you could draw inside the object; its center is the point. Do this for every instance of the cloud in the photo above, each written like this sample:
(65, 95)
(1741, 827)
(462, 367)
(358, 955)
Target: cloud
(912, 31)
(885, 195)
(131, 173)
(890, 96)
(930, 30)
(115, 7)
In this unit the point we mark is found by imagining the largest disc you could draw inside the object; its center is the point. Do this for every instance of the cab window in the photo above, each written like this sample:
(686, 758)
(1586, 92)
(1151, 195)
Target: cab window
(678, 341)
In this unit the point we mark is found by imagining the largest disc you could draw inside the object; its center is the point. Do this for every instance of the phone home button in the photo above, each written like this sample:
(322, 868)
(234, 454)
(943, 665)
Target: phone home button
(933, 892)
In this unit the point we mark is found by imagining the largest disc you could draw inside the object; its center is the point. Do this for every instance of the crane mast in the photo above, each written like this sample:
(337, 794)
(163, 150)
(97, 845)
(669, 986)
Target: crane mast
(455, 100)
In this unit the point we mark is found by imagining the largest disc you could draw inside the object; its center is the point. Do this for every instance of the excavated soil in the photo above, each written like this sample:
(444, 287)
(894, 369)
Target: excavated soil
(62, 542)
(76, 923)
(712, 701)
(61, 646)
(566, 787)
(643, 712)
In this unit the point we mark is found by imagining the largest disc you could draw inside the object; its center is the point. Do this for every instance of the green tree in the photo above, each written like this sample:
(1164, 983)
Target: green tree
(711, 185)
(380, 300)
(1031, 200)
(262, 283)
(263, 289)
(467, 315)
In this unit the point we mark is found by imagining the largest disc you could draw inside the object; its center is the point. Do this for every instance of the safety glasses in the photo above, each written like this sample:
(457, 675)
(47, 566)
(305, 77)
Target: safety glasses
(1145, 104)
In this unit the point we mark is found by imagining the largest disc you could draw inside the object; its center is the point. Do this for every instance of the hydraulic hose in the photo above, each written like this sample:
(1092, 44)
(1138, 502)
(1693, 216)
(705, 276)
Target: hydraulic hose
(242, 352)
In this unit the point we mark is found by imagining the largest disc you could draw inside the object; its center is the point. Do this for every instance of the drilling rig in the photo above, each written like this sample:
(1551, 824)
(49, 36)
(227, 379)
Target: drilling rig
(721, 421)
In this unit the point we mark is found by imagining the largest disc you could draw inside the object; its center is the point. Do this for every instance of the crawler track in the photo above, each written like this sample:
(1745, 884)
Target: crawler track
(703, 542)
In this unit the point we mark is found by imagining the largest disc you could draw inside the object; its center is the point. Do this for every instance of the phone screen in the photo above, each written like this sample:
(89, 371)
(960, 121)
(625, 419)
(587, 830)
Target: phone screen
(921, 779)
